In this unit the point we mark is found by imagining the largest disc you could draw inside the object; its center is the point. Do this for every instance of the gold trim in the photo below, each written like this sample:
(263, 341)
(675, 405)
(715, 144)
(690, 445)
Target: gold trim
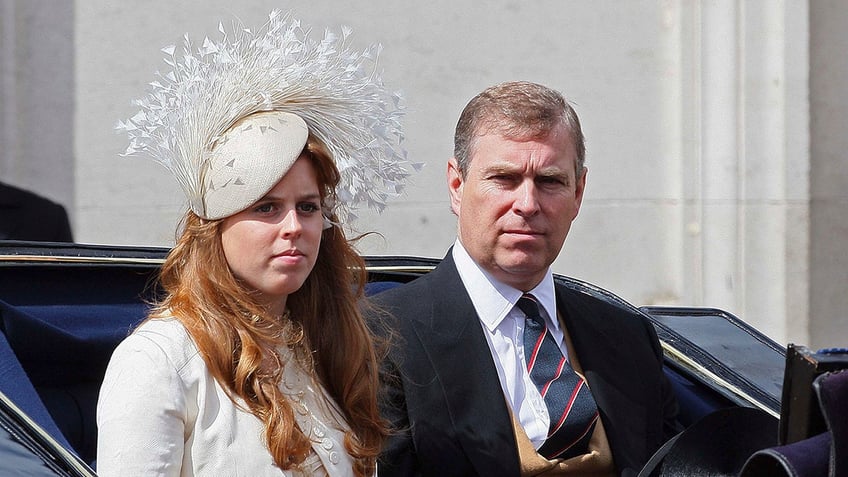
(80, 259)
(400, 268)
(704, 372)
(160, 261)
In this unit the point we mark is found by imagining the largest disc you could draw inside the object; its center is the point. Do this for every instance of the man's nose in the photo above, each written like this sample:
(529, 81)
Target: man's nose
(527, 199)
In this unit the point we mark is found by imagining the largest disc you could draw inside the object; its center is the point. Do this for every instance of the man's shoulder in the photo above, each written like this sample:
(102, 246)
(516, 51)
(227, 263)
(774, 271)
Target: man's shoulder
(416, 290)
(597, 316)
(588, 299)
(403, 304)
(420, 288)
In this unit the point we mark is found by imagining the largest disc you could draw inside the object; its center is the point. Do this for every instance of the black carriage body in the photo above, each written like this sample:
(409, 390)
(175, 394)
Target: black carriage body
(63, 309)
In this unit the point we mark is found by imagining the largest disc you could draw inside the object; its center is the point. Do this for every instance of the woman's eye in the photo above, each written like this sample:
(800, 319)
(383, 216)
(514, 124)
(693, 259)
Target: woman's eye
(308, 207)
(264, 208)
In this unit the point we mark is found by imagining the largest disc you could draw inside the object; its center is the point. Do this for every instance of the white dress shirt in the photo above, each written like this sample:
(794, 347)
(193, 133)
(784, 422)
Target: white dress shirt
(503, 324)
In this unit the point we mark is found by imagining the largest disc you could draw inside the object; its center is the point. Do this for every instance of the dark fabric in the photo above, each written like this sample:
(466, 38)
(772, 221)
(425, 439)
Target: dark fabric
(64, 350)
(15, 384)
(719, 444)
(372, 288)
(74, 342)
(805, 458)
(825, 454)
(832, 390)
(695, 399)
(570, 404)
(28, 216)
(444, 397)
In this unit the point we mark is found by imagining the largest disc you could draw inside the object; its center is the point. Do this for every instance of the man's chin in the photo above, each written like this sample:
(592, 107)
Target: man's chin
(525, 258)
(528, 272)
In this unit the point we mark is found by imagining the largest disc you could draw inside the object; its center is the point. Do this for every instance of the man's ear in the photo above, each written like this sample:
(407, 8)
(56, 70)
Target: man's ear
(580, 189)
(455, 183)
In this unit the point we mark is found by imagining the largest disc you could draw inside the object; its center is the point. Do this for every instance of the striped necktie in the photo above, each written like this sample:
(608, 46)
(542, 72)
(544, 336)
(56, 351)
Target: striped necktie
(570, 404)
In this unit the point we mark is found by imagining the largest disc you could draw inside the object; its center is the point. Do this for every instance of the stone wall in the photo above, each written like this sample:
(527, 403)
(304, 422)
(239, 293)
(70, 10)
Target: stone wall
(697, 116)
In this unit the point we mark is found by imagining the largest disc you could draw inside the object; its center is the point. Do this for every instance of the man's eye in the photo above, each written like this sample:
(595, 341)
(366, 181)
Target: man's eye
(501, 178)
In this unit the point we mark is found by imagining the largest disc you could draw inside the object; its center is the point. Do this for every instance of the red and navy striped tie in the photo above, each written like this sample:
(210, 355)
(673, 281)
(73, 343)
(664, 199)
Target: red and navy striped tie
(570, 403)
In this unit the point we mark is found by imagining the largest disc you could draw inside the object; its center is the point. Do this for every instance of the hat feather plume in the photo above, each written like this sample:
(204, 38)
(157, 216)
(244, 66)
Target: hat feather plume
(336, 89)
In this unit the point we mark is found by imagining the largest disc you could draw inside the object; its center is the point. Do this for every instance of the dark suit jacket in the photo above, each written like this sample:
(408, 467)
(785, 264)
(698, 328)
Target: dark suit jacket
(27, 216)
(444, 396)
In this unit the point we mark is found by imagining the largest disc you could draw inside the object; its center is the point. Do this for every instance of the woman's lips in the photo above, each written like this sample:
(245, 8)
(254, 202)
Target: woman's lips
(289, 256)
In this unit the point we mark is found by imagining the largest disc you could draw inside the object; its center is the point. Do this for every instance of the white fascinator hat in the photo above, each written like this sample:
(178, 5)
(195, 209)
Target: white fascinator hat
(231, 116)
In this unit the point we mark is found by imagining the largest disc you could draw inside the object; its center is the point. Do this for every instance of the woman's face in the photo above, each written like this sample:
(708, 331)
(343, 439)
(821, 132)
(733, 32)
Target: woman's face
(272, 245)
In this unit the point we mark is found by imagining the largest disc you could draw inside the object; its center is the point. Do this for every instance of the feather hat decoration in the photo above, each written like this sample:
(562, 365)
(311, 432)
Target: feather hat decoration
(335, 90)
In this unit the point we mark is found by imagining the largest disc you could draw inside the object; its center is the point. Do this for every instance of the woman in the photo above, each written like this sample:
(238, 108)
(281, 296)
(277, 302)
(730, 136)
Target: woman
(256, 361)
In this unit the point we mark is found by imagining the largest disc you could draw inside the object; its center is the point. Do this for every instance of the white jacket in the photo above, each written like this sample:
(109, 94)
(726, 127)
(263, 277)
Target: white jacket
(161, 412)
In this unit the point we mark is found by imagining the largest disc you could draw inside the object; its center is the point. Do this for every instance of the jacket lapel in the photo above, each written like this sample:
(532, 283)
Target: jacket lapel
(454, 340)
(610, 372)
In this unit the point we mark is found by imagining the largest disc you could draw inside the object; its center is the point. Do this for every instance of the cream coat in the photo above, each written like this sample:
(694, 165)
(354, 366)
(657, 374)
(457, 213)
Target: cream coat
(161, 413)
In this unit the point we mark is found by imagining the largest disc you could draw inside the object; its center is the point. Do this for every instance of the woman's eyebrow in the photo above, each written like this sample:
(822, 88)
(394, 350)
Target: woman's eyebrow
(307, 196)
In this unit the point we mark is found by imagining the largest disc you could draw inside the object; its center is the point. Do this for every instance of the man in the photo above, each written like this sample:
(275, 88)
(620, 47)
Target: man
(464, 387)
(25, 215)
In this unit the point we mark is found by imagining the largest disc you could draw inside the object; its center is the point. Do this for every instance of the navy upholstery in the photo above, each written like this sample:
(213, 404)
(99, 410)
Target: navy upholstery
(695, 401)
(372, 288)
(16, 385)
(54, 358)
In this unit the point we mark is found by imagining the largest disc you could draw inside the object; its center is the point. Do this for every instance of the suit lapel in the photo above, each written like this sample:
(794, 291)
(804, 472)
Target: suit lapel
(459, 352)
(610, 372)
(597, 342)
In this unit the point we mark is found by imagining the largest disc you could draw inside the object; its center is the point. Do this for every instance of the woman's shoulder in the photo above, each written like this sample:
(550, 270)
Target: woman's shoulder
(161, 338)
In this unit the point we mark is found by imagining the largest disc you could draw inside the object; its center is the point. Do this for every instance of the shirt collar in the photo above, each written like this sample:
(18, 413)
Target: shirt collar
(492, 299)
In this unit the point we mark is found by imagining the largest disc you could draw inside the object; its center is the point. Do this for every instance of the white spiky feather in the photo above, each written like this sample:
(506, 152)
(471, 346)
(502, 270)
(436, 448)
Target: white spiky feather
(334, 88)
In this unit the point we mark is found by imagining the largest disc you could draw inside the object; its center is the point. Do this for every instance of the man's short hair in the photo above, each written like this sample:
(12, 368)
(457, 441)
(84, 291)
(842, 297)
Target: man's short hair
(518, 109)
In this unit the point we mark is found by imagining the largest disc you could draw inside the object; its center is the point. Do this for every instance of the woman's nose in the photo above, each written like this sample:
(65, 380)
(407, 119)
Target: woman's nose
(290, 226)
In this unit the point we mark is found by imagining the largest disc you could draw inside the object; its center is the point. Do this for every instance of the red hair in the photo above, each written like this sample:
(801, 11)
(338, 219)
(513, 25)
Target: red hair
(238, 339)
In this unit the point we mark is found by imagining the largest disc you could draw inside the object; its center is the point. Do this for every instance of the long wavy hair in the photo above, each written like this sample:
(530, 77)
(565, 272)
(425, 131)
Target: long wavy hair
(239, 340)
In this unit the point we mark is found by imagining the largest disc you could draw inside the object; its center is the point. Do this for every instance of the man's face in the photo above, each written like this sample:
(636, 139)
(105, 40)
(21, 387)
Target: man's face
(516, 203)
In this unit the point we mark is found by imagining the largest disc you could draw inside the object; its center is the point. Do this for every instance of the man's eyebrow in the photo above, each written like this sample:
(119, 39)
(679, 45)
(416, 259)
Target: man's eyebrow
(559, 173)
(501, 167)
